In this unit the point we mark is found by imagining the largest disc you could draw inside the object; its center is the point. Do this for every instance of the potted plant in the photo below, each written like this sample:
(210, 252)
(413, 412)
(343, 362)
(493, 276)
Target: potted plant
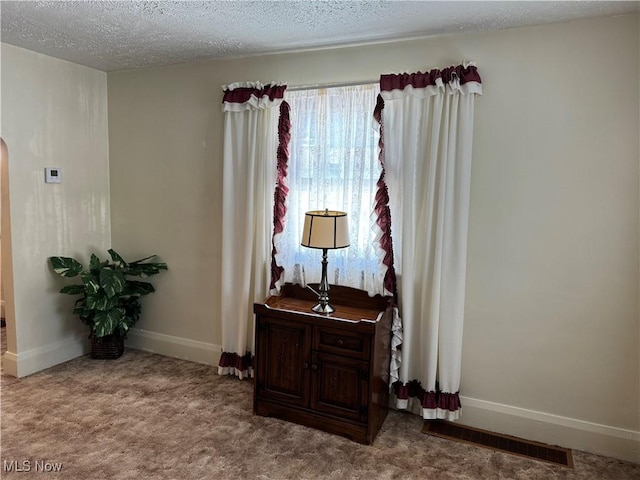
(110, 301)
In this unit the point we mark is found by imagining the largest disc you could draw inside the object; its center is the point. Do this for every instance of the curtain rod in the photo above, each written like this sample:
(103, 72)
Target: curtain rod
(296, 88)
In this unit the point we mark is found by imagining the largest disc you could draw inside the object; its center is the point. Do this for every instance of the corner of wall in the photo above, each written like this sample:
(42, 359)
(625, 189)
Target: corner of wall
(32, 361)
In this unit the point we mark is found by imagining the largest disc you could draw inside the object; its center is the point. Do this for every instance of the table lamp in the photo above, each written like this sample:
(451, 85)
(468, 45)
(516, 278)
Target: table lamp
(327, 230)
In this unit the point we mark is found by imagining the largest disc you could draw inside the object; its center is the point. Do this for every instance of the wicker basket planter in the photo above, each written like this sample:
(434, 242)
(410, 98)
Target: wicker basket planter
(109, 347)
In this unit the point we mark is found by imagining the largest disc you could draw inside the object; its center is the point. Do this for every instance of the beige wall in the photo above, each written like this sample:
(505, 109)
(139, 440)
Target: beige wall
(552, 320)
(552, 315)
(54, 114)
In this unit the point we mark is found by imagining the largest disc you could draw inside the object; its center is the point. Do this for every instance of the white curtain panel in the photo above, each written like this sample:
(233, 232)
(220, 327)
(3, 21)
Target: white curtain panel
(333, 164)
(428, 130)
(249, 177)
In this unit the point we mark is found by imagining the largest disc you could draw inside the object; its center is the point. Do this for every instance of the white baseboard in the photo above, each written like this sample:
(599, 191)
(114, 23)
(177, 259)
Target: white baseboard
(551, 429)
(10, 364)
(32, 361)
(177, 347)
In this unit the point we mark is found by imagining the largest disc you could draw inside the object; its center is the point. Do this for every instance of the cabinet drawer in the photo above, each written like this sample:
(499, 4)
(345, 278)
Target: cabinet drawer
(342, 342)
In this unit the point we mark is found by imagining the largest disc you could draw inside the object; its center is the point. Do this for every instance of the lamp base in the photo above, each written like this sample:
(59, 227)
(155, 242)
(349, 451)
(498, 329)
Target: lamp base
(323, 307)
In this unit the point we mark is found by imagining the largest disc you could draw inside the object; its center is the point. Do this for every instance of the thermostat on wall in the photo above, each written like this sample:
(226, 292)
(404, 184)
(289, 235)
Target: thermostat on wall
(53, 175)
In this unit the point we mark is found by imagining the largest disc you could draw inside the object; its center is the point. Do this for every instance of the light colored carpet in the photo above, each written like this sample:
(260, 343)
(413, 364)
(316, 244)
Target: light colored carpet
(145, 416)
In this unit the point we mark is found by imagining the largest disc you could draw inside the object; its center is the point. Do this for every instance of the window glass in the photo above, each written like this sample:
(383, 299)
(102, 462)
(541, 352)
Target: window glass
(333, 164)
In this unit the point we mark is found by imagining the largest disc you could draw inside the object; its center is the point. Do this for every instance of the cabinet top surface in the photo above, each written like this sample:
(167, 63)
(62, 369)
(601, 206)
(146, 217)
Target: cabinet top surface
(298, 300)
(343, 312)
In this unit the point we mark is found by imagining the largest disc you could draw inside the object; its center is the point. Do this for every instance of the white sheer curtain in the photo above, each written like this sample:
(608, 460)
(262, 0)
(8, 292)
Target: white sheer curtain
(428, 132)
(333, 164)
(249, 178)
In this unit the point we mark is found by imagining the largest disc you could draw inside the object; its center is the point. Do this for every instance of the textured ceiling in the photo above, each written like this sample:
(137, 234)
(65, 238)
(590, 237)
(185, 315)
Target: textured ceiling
(116, 35)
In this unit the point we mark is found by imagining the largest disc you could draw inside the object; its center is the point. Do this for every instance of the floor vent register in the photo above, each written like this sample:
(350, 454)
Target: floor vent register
(499, 442)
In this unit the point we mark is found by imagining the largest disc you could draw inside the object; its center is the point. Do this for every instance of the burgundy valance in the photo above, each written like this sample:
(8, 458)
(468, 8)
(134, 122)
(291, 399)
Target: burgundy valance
(461, 74)
(242, 95)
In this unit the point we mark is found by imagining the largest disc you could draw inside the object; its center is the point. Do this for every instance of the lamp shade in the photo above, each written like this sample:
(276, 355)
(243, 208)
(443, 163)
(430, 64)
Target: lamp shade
(325, 229)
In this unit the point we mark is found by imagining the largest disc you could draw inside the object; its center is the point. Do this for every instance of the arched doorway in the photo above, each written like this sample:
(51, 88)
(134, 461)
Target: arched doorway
(9, 364)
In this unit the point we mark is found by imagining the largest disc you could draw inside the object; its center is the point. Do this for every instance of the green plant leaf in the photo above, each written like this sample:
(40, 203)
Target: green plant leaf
(79, 305)
(135, 288)
(146, 269)
(72, 289)
(94, 263)
(65, 266)
(112, 281)
(132, 308)
(91, 283)
(117, 259)
(143, 259)
(80, 309)
(100, 301)
(104, 323)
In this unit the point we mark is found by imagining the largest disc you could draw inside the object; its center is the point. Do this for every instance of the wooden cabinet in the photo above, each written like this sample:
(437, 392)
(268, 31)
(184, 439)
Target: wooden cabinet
(329, 372)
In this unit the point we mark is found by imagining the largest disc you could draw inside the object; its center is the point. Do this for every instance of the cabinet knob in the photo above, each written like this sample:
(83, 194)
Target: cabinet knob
(314, 366)
(340, 342)
(305, 365)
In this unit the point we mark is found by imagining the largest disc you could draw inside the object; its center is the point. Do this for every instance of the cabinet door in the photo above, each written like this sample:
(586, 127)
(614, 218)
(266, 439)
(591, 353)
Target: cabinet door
(340, 386)
(283, 361)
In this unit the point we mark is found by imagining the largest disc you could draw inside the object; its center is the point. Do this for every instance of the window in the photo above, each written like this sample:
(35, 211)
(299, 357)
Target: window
(333, 164)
